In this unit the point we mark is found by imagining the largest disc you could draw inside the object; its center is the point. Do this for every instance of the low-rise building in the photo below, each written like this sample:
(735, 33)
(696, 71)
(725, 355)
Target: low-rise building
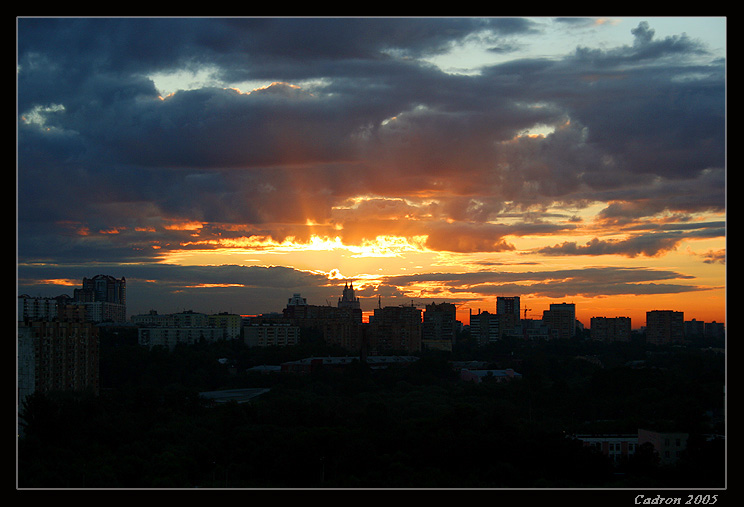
(617, 447)
(479, 376)
(610, 329)
(311, 364)
(169, 337)
(532, 330)
(668, 445)
(187, 327)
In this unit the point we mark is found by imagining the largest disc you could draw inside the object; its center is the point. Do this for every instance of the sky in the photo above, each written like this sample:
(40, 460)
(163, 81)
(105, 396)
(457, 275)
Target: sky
(224, 164)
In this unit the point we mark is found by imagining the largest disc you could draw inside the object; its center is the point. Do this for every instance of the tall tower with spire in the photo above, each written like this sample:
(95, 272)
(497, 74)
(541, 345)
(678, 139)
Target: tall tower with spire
(348, 299)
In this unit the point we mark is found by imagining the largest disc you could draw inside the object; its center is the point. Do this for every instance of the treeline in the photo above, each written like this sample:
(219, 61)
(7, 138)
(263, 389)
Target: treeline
(417, 426)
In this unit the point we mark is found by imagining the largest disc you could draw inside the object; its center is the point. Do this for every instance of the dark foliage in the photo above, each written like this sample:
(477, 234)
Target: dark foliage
(412, 427)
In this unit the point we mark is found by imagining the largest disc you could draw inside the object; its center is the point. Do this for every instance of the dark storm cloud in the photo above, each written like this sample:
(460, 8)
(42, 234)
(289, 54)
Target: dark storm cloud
(243, 48)
(649, 245)
(138, 47)
(705, 191)
(656, 240)
(666, 117)
(589, 282)
(97, 148)
(610, 275)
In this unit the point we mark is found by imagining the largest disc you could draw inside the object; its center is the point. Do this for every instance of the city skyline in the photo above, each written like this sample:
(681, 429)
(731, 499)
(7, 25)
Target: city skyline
(225, 164)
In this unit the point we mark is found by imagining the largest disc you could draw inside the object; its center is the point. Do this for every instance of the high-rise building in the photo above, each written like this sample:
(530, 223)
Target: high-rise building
(104, 297)
(485, 327)
(440, 326)
(26, 364)
(230, 322)
(665, 326)
(396, 328)
(507, 305)
(33, 308)
(508, 310)
(561, 319)
(57, 347)
(102, 288)
(348, 299)
(66, 355)
(297, 300)
(271, 334)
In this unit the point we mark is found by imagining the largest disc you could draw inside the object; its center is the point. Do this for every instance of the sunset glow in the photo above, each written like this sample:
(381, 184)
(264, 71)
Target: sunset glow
(425, 160)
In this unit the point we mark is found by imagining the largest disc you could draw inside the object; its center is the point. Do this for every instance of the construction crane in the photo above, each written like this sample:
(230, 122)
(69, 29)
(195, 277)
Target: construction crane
(525, 313)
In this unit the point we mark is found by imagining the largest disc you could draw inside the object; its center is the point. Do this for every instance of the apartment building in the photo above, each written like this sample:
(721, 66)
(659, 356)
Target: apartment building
(561, 319)
(271, 334)
(665, 326)
(65, 356)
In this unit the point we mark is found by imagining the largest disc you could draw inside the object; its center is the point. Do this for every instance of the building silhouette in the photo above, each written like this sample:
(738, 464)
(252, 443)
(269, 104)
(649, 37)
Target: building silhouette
(508, 305)
(440, 326)
(348, 299)
(396, 328)
(618, 447)
(338, 325)
(668, 446)
(561, 319)
(665, 326)
(610, 329)
(104, 298)
(508, 310)
(694, 329)
(102, 288)
(485, 327)
(58, 348)
(715, 330)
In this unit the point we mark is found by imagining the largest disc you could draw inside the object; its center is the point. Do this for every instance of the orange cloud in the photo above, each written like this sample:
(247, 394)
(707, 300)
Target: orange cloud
(187, 225)
(60, 281)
